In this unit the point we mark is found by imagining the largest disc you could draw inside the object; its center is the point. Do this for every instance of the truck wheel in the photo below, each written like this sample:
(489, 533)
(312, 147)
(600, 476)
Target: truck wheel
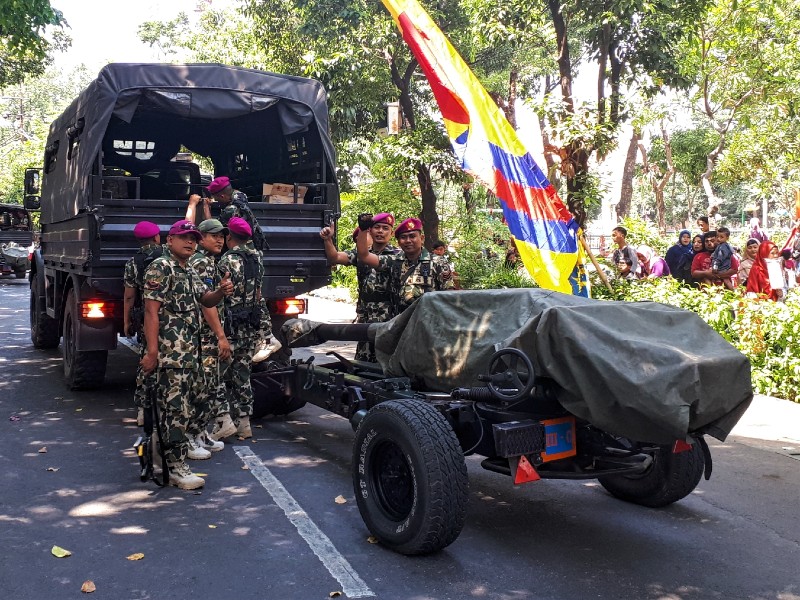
(410, 477)
(44, 330)
(20, 273)
(670, 478)
(82, 369)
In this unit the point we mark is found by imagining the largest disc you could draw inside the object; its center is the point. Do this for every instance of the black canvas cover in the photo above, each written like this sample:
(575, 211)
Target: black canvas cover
(643, 370)
(206, 92)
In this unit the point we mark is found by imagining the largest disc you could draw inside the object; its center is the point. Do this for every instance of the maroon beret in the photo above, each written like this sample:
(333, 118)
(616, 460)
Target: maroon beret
(387, 218)
(219, 184)
(145, 230)
(410, 224)
(184, 227)
(238, 226)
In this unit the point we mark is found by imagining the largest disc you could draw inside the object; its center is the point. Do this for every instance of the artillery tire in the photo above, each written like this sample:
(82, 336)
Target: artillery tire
(409, 476)
(20, 273)
(670, 478)
(83, 369)
(44, 330)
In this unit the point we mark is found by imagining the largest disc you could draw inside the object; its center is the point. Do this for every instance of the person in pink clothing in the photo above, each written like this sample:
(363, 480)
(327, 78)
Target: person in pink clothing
(652, 265)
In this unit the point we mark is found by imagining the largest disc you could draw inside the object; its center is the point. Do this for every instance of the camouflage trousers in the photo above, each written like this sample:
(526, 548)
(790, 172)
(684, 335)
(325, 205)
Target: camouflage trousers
(237, 377)
(213, 401)
(177, 394)
(265, 329)
(371, 312)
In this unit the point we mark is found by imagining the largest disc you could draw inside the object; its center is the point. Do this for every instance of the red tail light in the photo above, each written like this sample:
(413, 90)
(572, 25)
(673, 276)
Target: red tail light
(288, 306)
(95, 309)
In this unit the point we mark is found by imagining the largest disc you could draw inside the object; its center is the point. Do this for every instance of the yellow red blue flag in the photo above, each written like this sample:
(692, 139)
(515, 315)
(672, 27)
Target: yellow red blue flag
(489, 149)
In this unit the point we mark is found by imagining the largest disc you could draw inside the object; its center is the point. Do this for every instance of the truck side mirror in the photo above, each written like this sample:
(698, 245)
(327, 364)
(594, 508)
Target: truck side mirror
(33, 200)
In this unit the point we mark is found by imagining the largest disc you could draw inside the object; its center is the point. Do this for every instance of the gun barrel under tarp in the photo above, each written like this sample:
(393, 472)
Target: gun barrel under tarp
(301, 333)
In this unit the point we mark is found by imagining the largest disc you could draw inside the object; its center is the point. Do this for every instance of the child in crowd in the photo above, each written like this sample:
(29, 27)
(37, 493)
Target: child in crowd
(722, 255)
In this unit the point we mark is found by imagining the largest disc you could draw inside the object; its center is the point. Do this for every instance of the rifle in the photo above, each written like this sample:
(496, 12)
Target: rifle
(146, 443)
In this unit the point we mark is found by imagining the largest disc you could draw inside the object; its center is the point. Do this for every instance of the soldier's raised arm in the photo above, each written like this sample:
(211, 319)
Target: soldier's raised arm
(334, 256)
(365, 257)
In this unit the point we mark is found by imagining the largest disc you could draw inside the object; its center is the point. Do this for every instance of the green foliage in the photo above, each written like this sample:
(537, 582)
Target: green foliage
(766, 332)
(24, 47)
(645, 232)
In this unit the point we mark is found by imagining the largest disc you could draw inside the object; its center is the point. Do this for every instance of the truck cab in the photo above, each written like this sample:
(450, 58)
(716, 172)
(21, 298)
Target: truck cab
(133, 146)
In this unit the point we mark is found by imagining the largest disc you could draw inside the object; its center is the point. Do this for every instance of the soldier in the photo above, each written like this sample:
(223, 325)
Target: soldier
(233, 203)
(411, 273)
(216, 350)
(243, 321)
(374, 303)
(150, 248)
(173, 293)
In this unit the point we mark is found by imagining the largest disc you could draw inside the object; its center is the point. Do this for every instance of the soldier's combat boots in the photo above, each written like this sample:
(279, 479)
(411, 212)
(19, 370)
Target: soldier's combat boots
(223, 428)
(197, 452)
(203, 441)
(243, 430)
(181, 476)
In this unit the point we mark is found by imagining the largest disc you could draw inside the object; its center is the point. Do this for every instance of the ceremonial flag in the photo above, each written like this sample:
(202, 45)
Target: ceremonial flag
(489, 149)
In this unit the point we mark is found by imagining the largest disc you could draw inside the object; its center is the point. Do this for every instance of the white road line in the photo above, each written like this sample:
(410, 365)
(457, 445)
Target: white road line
(352, 585)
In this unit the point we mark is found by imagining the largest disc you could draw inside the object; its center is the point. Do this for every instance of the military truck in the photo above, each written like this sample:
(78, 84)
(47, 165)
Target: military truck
(113, 158)
(15, 239)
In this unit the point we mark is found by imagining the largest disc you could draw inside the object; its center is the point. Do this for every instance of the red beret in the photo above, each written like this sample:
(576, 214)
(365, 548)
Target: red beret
(410, 224)
(145, 230)
(220, 183)
(387, 218)
(238, 226)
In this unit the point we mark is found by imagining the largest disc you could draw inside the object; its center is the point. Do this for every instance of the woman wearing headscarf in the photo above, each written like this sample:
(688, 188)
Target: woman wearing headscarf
(652, 265)
(756, 231)
(758, 279)
(679, 257)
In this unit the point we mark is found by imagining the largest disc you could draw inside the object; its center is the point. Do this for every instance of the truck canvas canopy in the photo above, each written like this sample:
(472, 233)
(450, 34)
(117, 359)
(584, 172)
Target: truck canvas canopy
(255, 126)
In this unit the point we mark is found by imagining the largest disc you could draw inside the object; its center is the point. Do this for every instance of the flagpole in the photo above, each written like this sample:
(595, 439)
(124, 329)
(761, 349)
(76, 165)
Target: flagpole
(597, 268)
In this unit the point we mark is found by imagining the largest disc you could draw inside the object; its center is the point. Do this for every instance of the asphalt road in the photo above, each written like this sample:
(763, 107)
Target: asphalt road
(275, 531)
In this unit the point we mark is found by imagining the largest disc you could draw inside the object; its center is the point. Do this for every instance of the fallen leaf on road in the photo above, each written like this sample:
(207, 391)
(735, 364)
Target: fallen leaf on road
(245, 468)
(78, 409)
(88, 587)
(52, 469)
(43, 450)
(59, 552)
(372, 539)
(137, 556)
(202, 474)
(340, 499)
(212, 526)
(13, 418)
(259, 427)
(334, 594)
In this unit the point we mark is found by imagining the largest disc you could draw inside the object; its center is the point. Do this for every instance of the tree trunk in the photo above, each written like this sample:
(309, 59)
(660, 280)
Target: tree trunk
(626, 193)
(429, 216)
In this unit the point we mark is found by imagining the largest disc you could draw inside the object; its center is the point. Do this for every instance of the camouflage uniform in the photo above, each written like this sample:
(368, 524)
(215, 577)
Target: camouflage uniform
(409, 280)
(213, 400)
(133, 278)
(241, 333)
(179, 362)
(230, 210)
(374, 303)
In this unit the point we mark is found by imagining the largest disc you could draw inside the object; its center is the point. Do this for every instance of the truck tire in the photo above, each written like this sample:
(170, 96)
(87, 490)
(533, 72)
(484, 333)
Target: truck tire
(269, 398)
(670, 478)
(410, 477)
(44, 330)
(20, 273)
(83, 370)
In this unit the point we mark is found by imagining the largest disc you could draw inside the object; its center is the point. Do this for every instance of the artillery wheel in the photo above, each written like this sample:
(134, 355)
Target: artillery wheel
(44, 330)
(510, 369)
(83, 369)
(20, 273)
(670, 478)
(410, 477)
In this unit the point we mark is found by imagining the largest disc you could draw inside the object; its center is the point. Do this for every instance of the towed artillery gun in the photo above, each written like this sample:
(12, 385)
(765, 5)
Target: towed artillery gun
(540, 384)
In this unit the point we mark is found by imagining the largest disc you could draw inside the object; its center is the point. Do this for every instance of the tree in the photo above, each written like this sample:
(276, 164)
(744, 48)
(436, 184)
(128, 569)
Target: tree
(24, 48)
(658, 177)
